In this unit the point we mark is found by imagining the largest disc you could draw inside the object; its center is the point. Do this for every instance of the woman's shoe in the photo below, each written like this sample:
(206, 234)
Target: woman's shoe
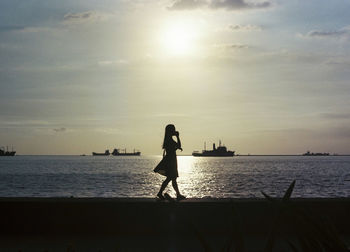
(180, 197)
(160, 196)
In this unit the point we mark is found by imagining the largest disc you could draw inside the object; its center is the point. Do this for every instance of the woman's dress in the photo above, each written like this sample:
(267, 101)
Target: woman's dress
(168, 165)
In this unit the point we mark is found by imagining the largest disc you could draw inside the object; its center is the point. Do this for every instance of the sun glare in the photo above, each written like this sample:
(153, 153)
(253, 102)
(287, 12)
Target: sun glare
(178, 39)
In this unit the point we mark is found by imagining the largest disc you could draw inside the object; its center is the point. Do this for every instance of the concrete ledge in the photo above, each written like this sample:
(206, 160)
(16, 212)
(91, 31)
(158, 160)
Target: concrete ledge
(143, 216)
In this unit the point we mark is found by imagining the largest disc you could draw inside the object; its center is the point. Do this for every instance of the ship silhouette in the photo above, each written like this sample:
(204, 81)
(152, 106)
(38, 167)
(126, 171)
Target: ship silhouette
(6, 152)
(116, 152)
(221, 151)
(308, 153)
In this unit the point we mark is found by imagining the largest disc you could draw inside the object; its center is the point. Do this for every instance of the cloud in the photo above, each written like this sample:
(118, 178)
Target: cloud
(10, 28)
(84, 17)
(325, 33)
(231, 46)
(245, 28)
(120, 62)
(187, 4)
(238, 4)
(14, 28)
(340, 33)
(78, 16)
(218, 4)
(23, 123)
(59, 130)
(24, 29)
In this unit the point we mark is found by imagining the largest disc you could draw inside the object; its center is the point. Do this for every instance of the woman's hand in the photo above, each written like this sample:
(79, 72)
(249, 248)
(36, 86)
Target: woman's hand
(177, 133)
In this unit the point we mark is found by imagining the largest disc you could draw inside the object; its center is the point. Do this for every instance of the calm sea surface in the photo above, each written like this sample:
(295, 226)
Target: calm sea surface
(239, 177)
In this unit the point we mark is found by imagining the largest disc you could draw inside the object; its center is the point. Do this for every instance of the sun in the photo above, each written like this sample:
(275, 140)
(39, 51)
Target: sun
(178, 38)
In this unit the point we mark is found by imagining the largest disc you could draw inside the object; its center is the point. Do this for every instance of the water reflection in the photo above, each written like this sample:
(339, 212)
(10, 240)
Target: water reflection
(247, 176)
(185, 164)
(241, 177)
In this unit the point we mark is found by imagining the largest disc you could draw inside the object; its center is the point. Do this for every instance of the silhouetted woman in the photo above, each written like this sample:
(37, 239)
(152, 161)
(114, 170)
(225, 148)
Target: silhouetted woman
(168, 165)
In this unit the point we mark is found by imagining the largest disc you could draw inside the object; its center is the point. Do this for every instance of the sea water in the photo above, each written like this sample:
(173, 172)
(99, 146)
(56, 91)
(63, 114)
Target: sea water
(200, 177)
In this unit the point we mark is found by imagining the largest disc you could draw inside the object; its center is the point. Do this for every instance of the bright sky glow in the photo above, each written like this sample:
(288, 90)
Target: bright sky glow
(265, 77)
(179, 38)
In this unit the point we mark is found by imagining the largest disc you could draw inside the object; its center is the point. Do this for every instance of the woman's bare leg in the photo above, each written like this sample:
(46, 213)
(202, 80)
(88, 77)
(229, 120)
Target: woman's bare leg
(179, 196)
(176, 188)
(164, 184)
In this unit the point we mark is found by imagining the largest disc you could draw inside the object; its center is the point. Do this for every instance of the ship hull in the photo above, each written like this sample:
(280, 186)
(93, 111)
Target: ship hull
(8, 154)
(99, 154)
(207, 154)
(128, 154)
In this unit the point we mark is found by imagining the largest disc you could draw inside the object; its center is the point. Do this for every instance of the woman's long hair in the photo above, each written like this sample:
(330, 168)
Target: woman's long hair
(169, 130)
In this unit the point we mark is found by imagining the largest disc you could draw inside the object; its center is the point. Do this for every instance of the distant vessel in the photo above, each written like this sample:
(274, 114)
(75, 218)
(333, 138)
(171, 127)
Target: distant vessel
(221, 151)
(7, 152)
(308, 153)
(101, 154)
(116, 152)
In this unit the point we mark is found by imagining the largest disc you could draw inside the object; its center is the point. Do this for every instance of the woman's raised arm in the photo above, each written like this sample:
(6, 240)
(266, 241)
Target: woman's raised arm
(178, 140)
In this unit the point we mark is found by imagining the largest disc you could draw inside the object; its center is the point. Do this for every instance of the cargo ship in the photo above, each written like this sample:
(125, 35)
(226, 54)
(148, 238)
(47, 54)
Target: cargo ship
(308, 153)
(220, 151)
(7, 152)
(116, 152)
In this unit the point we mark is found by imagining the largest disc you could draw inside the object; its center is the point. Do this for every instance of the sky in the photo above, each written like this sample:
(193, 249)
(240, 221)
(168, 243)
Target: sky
(264, 77)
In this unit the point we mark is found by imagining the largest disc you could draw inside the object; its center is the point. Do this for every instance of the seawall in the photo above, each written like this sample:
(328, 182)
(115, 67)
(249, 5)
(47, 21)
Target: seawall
(191, 218)
(120, 215)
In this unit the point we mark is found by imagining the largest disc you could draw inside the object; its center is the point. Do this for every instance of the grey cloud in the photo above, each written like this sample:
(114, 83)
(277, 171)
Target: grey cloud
(58, 130)
(231, 46)
(325, 33)
(22, 123)
(78, 16)
(24, 29)
(237, 4)
(88, 16)
(187, 4)
(9, 28)
(113, 62)
(218, 4)
(234, 46)
(245, 28)
(345, 31)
